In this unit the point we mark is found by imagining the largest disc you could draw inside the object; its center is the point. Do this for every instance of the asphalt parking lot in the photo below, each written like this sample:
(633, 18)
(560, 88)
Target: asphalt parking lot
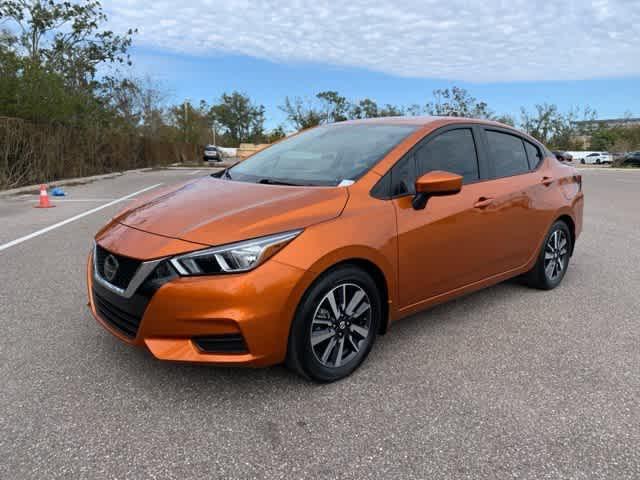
(505, 383)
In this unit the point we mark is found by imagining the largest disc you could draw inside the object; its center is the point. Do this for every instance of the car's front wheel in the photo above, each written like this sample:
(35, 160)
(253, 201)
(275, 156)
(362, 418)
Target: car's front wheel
(335, 325)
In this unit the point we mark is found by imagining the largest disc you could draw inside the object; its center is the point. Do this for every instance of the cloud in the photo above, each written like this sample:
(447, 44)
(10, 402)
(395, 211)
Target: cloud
(481, 41)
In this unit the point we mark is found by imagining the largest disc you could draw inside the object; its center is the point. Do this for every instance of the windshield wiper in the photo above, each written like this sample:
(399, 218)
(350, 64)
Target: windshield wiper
(222, 173)
(271, 181)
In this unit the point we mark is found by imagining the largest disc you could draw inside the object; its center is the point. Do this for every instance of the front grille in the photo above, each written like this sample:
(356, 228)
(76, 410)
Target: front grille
(127, 267)
(227, 343)
(123, 321)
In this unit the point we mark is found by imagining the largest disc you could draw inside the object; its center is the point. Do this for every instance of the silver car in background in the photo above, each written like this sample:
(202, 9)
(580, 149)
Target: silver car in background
(212, 153)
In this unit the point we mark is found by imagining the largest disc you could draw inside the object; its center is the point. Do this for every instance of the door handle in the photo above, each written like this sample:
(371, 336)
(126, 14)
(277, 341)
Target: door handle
(546, 181)
(483, 202)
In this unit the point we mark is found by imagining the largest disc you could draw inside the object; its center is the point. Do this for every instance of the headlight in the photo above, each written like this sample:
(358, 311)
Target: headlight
(232, 258)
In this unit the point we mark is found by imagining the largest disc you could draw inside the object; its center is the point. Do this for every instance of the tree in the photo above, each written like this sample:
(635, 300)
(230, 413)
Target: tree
(66, 37)
(414, 110)
(239, 118)
(365, 108)
(544, 123)
(506, 119)
(336, 106)
(123, 96)
(276, 134)
(9, 73)
(135, 104)
(565, 136)
(301, 113)
(390, 111)
(551, 126)
(603, 139)
(152, 98)
(190, 123)
(457, 102)
(55, 52)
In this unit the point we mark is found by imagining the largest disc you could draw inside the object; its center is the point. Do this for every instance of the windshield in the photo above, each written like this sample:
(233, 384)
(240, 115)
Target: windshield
(326, 155)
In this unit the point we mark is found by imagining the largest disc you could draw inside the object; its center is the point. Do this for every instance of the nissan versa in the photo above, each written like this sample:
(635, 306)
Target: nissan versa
(307, 250)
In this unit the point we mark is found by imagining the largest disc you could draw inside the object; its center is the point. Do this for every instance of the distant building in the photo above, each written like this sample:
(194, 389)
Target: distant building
(590, 125)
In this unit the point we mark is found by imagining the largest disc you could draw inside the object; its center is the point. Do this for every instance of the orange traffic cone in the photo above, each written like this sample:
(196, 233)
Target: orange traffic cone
(44, 198)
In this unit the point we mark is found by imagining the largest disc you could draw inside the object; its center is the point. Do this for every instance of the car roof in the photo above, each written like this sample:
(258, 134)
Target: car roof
(420, 121)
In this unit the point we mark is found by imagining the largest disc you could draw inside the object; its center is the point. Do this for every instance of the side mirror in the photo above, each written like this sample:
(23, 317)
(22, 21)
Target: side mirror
(435, 184)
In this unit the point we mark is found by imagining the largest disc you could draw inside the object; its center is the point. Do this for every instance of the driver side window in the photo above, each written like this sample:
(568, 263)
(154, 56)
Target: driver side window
(452, 151)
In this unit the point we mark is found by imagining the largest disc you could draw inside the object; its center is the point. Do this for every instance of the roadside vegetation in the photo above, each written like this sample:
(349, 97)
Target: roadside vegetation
(69, 106)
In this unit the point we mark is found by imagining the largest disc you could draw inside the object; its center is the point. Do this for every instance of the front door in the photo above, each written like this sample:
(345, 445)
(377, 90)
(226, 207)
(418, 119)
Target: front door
(450, 244)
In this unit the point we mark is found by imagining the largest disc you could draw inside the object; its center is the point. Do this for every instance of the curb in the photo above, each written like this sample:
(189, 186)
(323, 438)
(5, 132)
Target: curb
(611, 169)
(60, 183)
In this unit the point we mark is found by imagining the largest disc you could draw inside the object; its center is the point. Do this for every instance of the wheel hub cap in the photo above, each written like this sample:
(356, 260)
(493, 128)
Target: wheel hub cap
(555, 254)
(340, 328)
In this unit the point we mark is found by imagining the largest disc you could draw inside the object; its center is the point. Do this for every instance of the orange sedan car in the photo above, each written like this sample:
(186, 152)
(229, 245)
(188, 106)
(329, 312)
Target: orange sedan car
(308, 250)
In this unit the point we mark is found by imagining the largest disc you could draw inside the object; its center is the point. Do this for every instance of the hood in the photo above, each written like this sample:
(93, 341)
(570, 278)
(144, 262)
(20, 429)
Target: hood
(212, 211)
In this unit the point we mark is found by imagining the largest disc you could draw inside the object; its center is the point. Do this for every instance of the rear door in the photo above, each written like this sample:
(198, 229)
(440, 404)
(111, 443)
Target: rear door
(517, 193)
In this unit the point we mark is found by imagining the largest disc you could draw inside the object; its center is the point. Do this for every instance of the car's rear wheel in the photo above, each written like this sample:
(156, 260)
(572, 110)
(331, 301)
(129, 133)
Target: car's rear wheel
(335, 325)
(553, 260)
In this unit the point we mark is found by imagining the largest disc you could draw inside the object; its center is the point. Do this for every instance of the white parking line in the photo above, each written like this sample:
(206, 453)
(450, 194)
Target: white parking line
(193, 173)
(74, 218)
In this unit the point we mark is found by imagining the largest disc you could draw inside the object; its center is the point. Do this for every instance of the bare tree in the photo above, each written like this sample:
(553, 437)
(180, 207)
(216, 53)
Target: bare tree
(302, 113)
(457, 102)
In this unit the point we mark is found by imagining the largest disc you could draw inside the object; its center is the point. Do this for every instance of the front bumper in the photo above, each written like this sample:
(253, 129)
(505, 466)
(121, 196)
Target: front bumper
(258, 305)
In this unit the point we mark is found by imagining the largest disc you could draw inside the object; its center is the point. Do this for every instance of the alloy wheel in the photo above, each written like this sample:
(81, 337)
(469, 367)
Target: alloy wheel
(341, 325)
(555, 254)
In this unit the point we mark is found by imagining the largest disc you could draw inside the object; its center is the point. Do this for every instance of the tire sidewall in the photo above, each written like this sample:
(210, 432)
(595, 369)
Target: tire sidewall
(548, 283)
(300, 344)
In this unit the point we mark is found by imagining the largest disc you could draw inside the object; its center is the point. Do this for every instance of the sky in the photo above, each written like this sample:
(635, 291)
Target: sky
(507, 53)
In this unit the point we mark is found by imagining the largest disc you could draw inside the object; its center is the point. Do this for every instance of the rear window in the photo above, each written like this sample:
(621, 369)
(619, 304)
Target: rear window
(534, 156)
(507, 154)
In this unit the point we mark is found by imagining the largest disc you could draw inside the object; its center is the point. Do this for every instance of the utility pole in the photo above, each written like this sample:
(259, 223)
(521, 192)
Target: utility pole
(186, 118)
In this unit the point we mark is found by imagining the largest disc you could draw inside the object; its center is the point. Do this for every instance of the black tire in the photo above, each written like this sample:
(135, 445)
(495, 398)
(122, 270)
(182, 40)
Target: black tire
(543, 276)
(315, 306)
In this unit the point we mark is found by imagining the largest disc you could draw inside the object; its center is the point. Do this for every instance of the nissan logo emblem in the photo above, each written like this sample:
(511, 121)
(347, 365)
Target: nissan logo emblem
(110, 267)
